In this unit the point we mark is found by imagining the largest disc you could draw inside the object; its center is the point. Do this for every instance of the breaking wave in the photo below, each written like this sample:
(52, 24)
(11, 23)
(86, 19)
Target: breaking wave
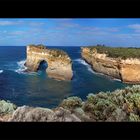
(116, 79)
(81, 61)
(1, 71)
(21, 66)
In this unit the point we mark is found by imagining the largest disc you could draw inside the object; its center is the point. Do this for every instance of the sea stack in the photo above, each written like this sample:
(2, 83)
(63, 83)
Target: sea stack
(120, 63)
(59, 63)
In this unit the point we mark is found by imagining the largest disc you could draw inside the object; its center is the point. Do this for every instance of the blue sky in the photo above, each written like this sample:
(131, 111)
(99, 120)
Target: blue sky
(70, 31)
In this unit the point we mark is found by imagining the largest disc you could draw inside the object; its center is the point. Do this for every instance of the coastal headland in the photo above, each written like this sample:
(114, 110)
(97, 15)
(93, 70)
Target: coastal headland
(120, 63)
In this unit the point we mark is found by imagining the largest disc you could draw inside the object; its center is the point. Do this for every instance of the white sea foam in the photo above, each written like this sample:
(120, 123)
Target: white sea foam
(1, 71)
(79, 60)
(116, 79)
(21, 67)
(90, 69)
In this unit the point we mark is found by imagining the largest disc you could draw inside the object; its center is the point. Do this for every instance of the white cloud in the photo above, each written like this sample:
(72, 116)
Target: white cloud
(17, 33)
(113, 29)
(5, 23)
(20, 22)
(37, 24)
(69, 25)
(136, 27)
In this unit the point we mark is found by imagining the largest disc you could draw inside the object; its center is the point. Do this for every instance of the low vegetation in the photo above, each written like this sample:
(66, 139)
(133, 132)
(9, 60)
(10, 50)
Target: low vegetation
(54, 52)
(58, 52)
(116, 52)
(40, 46)
(6, 107)
(120, 105)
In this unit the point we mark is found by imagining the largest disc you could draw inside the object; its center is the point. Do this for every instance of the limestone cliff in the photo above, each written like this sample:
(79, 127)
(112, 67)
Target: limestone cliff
(127, 70)
(59, 63)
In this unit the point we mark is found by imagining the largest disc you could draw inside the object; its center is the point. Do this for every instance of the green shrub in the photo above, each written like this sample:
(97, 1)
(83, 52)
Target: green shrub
(71, 103)
(134, 117)
(6, 107)
(105, 105)
(117, 52)
(58, 52)
(41, 46)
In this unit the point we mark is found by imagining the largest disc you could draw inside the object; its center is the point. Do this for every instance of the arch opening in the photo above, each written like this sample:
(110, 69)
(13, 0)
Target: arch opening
(43, 65)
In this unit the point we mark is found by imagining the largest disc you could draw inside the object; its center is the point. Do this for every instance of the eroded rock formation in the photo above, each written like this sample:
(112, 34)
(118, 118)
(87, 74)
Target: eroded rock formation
(59, 63)
(127, 70)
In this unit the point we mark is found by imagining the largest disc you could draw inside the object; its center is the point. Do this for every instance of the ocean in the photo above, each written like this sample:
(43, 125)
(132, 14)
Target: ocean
(37, 89)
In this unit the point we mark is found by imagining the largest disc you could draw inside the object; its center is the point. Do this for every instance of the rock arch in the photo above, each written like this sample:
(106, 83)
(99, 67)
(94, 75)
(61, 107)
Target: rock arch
(59, 63)
(43, 65)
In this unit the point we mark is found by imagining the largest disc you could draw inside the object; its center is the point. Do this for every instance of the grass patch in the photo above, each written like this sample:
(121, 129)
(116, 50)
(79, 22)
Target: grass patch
(117, 52)
(58, 52)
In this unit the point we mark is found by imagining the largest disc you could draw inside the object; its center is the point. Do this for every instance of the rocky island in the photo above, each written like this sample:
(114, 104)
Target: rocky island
(120, 63)
(59, 63)
(119, 105)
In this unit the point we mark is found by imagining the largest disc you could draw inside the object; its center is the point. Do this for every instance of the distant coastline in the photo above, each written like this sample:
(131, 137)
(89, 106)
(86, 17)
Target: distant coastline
(120, 63)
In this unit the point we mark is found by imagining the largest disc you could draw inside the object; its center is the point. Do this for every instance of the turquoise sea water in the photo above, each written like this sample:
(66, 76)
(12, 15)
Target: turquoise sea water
(37, 89)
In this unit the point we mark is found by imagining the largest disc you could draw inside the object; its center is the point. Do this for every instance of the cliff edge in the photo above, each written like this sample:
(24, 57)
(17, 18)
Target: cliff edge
(59, 63)
(126, 69)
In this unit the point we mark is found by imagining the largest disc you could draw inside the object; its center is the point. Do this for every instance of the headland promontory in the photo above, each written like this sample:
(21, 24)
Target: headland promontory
(120, 63)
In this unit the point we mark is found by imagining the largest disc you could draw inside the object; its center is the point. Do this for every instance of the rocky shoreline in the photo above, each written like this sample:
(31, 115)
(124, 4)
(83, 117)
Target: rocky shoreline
(127, 70)
(116, 106)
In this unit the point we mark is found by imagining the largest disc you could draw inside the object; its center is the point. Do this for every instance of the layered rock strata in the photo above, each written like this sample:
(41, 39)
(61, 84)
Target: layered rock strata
(128, 70)
(59, 63)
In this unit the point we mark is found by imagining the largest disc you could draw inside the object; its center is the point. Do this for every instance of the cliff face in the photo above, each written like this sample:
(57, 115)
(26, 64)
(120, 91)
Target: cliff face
(127, 70)
(59, 63)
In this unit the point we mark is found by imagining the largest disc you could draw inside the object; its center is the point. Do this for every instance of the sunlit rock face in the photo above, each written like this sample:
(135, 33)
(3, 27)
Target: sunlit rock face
(38, 114)
(128, 71)
(59, 63)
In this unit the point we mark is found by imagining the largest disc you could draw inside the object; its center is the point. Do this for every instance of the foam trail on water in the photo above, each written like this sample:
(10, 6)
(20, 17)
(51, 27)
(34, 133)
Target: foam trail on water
(89, 68)
(117, 79)
(1, 71)
(79, 60)
(21, 66)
